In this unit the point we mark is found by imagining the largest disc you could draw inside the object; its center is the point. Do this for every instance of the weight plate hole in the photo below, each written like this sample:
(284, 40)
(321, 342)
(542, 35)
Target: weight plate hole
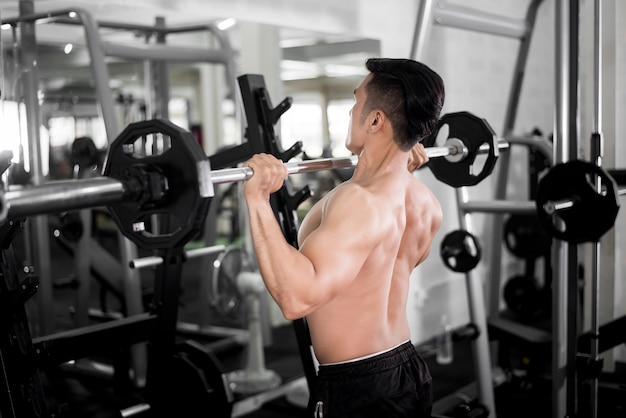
(478, 165)
(149, 145)
(158, 224)
(442, 135)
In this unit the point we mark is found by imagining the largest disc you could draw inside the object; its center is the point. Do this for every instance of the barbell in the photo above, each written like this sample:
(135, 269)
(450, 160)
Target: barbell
(174, 183)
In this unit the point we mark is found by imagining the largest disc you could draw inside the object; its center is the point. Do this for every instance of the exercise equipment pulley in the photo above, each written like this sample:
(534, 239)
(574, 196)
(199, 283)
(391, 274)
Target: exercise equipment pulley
(174, 183)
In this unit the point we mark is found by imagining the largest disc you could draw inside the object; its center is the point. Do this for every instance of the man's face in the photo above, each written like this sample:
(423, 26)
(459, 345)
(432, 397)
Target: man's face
(358, 125)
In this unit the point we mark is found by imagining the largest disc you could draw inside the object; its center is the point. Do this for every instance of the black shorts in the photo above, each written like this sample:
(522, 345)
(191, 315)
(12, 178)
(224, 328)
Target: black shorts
(396, 383)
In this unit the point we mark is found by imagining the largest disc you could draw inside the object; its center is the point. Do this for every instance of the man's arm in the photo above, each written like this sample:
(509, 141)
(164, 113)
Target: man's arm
(329, 258)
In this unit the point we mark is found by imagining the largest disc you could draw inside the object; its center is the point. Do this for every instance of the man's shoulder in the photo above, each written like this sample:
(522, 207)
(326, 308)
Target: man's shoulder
(351, 192)
(350, 198)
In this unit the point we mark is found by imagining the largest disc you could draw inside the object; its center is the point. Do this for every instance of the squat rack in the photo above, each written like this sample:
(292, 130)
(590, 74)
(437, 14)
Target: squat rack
(441, 13)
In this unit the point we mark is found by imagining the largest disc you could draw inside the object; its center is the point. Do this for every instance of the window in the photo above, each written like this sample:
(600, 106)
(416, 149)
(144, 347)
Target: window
(303, 122)
(338, 122)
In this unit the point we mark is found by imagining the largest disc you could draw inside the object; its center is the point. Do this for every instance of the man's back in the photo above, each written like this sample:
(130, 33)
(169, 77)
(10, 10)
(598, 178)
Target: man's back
(358, 246)
(398, 216)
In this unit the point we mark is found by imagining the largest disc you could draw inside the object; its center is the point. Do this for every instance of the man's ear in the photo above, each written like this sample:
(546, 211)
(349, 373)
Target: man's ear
(377, 121)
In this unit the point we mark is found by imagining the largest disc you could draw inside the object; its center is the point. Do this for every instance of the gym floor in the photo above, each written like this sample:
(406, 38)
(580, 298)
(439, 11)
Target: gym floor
(93, 397)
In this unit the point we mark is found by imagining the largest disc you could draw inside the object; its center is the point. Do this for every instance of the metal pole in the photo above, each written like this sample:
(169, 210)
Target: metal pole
(164, 52)
(140, 263)
(38, 227)
(520, 68)
(160, 78)
(564, 303)
(230, 175)
(230, 72)
(422, 30)
(456, 16)
(495, 260)
(500, 206)
(476, 303)
(597, 145)
(596, 123)
(59, 196)
(100, 73)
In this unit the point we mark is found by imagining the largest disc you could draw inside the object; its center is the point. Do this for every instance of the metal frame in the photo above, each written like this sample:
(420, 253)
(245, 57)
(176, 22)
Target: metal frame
(565, 302)
(438, 12)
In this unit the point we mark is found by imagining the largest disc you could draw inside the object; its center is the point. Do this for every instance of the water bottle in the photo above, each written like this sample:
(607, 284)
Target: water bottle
(445, 355)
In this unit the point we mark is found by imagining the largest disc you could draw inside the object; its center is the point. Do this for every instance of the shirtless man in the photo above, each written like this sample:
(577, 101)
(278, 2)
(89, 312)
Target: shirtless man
(357, 248)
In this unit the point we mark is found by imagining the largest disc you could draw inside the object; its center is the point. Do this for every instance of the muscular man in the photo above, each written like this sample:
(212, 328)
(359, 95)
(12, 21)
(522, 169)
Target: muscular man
(357, 248)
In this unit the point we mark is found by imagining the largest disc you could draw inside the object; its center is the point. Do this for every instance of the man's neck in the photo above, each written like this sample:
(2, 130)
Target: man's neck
(380, 157)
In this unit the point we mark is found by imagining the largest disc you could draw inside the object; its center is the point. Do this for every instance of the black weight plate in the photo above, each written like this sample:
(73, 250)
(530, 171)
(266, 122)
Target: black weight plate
(591, 215)
(84, 153)
(182, 209)
(525, 238)
(71, 226)
(524, 297)
(460, 251)
(225, 296)
(473, 132)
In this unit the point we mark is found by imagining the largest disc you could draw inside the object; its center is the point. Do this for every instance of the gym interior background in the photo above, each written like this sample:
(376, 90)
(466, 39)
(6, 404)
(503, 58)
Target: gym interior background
(314, 52)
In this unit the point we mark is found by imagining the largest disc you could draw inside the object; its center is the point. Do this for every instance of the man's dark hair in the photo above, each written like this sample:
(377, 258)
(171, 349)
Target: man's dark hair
(410, 94)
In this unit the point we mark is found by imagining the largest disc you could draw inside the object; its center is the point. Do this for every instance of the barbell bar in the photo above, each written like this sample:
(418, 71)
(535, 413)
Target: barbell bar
(65, 195)
(60, 196)
(452, 148)
(551, 207)
(151, 261)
